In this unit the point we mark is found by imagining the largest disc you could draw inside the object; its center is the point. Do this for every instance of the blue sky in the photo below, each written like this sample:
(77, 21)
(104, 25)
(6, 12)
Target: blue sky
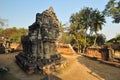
(21, 13)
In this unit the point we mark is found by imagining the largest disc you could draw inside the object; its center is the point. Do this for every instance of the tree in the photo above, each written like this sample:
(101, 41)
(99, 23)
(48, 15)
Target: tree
(84, 20)
(80, 23)
(100, 39)
(65, 38)
(14, 33)
(77, 36)
(96, 24)
(17, 37)
(113, 9)
(1, 32)
(3, 22)
(118, 36)
(115, 42)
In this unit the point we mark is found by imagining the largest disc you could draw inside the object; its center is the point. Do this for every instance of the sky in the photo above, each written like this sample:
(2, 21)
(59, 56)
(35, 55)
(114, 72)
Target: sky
(21, 13)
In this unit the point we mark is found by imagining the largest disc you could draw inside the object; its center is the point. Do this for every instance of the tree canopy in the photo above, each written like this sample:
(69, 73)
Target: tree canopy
(113, 9)
(82, 21)
(14, 34)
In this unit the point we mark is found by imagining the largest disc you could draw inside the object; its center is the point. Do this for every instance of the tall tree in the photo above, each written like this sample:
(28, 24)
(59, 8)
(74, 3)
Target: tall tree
(96, 24)
(80, 22)
(113, 9)
(78, 37)
(84, 20)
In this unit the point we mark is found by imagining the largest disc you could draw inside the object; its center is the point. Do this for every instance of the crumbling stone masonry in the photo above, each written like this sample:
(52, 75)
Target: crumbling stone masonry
(39, 46)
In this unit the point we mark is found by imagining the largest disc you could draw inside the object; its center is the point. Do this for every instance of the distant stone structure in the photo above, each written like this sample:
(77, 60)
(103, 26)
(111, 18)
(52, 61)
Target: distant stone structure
(39, 46)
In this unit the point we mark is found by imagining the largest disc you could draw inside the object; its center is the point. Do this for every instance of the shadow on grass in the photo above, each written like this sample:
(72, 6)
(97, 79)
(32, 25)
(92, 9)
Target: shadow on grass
(105, 71)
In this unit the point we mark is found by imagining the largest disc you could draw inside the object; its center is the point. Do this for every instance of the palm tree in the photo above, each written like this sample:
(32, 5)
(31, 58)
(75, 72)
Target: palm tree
(96, 24)
(84, 20)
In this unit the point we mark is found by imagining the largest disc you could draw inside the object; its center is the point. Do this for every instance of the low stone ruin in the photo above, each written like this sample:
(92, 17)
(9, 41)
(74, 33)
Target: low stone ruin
(39, 46)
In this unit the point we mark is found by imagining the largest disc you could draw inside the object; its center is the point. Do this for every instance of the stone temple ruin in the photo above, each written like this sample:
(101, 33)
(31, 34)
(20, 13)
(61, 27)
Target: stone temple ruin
(39, 46)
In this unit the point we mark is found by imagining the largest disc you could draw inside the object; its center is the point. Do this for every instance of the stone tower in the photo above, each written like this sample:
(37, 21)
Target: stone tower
(39, 46)
(44, 33)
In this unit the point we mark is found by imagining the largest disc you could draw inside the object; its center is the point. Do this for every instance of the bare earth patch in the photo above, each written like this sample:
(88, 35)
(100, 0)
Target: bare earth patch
(77, 71)
(78, 68)
(103, 70)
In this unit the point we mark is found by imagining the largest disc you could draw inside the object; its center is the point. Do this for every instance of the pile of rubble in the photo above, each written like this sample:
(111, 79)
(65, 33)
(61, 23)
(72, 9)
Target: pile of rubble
(3, 69)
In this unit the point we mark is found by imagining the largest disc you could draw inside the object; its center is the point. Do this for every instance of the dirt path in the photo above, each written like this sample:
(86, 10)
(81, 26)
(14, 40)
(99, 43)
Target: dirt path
(78, 68)
(103, 70)
(77, 71)
(9, 61)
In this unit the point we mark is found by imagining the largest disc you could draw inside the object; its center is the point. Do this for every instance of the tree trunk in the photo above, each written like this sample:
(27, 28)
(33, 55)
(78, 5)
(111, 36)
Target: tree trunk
(95, 40)
(85, 41)
(79, 49)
